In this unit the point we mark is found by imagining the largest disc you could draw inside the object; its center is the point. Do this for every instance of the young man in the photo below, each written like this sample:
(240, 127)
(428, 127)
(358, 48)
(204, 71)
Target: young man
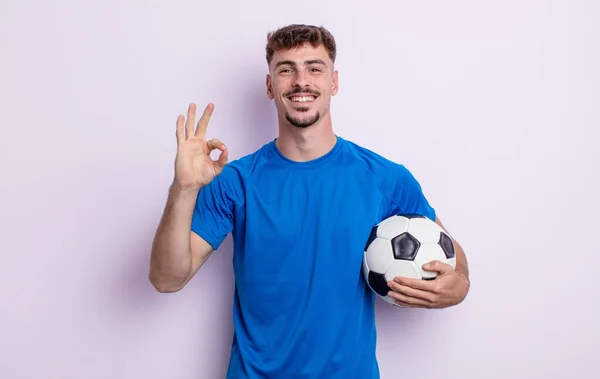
(300, 210)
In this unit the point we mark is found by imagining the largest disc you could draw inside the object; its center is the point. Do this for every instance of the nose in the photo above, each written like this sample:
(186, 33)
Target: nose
(301, 79)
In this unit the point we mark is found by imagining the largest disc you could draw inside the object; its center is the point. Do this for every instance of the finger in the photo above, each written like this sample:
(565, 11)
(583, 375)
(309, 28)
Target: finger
(407, 300)
(419, 284)
(437, 266)
(189, 124)
(411, 292)
(203, 122)
(213, 144)
(179, 133)
(223, 159)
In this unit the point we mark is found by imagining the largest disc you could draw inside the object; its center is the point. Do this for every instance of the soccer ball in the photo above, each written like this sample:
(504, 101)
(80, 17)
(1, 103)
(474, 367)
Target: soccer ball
(399, 246)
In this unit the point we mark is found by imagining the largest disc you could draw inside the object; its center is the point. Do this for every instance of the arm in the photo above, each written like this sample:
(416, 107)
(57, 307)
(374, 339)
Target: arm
(178, 251)
(177, 254)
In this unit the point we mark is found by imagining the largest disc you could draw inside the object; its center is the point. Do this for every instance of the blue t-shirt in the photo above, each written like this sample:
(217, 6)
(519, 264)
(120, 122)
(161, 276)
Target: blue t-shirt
(301, 306)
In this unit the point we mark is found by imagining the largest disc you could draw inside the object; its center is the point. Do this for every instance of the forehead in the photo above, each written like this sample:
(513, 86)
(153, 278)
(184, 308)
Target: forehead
(305, 54)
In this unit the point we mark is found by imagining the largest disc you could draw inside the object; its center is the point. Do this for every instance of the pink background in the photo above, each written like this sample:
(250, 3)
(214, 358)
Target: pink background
(493, 106)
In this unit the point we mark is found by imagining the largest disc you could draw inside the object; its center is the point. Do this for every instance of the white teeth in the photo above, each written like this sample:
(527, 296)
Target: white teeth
(302, 99)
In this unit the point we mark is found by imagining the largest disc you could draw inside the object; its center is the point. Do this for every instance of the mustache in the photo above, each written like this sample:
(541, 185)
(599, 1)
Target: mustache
(304, 91)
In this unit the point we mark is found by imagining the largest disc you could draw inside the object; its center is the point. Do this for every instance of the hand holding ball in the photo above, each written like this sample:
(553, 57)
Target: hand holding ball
(399, 246)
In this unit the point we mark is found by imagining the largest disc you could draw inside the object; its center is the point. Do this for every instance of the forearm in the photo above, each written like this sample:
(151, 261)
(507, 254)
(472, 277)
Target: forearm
(462, 266)
(171, 257)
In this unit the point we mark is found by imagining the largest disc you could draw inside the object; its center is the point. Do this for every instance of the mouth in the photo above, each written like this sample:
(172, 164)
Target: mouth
(302, 98)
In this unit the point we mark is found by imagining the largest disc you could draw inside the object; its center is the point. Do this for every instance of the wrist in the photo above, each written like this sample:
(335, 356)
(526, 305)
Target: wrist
(179, 190)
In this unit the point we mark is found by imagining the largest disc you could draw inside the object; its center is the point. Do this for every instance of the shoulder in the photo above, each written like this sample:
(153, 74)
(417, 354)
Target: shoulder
(393, 179)
(382, 168)
(401, 190)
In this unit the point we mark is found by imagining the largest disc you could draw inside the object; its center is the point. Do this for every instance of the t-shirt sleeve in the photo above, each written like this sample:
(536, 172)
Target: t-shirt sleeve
(405, 194)
(213, 216)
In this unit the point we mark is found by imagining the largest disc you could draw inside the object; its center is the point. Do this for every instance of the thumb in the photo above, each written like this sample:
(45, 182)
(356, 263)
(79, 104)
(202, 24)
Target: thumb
(437, 266)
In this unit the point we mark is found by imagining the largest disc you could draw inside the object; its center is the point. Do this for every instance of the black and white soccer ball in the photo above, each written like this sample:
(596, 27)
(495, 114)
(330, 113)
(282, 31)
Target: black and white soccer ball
(399, 246)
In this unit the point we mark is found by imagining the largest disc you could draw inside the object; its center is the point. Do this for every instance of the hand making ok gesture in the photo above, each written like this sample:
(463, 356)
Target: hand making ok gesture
(194, 168)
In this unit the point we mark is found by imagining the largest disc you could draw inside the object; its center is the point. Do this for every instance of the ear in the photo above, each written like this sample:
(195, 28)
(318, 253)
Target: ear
(269, 87)
(335, 84)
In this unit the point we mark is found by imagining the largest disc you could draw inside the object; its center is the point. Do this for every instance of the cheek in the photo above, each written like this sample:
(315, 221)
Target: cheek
(278, 91)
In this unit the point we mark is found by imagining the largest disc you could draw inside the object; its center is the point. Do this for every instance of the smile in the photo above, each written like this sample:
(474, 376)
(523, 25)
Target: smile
(302, 99)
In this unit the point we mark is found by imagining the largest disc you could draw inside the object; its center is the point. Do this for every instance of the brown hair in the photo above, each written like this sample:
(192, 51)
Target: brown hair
(295, 35)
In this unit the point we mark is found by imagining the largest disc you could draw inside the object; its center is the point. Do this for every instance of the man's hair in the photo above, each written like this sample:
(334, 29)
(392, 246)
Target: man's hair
(295, 35)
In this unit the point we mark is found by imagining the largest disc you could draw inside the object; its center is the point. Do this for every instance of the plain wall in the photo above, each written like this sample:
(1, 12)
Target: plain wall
(492, 105)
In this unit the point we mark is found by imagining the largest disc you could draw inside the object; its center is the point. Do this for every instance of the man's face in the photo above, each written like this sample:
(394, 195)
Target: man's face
(302, 81)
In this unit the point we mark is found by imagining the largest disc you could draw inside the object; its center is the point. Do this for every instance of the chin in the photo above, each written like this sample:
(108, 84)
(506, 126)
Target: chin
(303, 121)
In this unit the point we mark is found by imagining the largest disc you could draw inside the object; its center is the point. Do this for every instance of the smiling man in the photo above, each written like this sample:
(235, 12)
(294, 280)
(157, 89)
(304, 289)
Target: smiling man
(300, 210)
(301, 97)
(301, 81)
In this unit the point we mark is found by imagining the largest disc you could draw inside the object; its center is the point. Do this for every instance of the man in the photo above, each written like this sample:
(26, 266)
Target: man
(300, 210)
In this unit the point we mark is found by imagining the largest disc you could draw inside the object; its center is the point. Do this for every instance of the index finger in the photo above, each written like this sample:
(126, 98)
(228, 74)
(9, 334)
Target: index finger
(419, 284)
(203, 122)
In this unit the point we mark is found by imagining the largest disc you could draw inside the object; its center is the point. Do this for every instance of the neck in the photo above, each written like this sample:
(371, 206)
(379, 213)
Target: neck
(305, 144)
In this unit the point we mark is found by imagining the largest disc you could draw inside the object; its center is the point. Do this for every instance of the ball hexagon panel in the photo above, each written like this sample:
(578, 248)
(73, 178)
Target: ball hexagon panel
(379, 255)
(451, 262)
(391, 227)
(424, 230)
(427, 253)
(407, 269)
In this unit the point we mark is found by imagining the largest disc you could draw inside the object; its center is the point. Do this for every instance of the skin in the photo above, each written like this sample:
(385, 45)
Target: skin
(310, 71)
(305, 133)
(177, 254)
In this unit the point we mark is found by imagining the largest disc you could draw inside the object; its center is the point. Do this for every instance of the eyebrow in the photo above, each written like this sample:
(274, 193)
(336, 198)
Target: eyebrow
(308, 62)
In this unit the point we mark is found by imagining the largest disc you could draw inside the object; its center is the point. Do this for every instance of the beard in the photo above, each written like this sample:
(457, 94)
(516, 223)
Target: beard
(304, 122)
